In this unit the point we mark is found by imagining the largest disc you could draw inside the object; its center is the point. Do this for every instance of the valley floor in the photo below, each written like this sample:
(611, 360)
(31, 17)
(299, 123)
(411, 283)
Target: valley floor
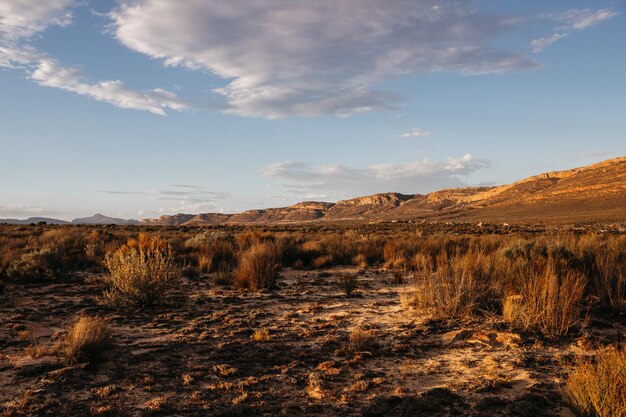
(214, 351)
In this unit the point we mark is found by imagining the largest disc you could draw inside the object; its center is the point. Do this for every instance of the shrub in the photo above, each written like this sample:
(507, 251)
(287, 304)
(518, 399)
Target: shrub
(348, 283)
(86, 340)
(362, 340)
(598, 388)
(259, 267)
(35, 265)
(609, 278)
(217, 251)
(548, 301)
(454, 289)
(141, 271)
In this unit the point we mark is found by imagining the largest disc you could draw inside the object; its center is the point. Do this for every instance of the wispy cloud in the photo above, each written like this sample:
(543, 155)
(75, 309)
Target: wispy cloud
(414, 134)
(594, 154)
(540, 43)
(570, 21)
(579, 19)
(293, 58)
(20, 211)
(340, 181)
(22, 20)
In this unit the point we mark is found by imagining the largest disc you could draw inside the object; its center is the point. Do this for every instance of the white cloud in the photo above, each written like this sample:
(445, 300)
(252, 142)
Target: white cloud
(414, 133)
(540, 43)
(578, 19)
(21, 20)
(572, 20)
(48, 73)
(301, 58)
(25, 18)
(339, 181)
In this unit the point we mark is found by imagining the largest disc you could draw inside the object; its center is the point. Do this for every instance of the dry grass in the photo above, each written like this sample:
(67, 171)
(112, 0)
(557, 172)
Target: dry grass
(598, 388)
(86, 340)
(348, 283)
(454, 287)
(141, 272)
(549, 301)
(362, 340)
(259, 267)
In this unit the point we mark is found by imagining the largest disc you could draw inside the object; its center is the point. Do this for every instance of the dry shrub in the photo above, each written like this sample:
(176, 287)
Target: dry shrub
(261, 335)
(348, 283)
(141, 271)
(609, 278)
(548, 301)
(86, 340)
(396, 252)
(218, 251)
(69, 246)
(35, 265)
(598, 388)
(259, 267)
(453, 288)
(362, 340)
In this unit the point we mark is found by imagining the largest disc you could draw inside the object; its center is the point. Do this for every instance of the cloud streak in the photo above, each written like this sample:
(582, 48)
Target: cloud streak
(571, 21)
(414, 134)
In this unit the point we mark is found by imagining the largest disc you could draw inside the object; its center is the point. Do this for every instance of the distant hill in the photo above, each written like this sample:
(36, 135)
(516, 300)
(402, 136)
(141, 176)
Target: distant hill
(102, 219)
(591, 194)
(33, 220)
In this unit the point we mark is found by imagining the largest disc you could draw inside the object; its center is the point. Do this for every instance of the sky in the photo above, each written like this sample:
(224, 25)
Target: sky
(140, 108)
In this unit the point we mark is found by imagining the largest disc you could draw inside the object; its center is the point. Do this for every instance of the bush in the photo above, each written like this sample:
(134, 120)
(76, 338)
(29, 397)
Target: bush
(453, 288)
(259, 267)
(86, 340)
(217, 251)
(141, 271)
(348, 283)
(362, 340)
(549, 301)
(599, 388)
(36, 265)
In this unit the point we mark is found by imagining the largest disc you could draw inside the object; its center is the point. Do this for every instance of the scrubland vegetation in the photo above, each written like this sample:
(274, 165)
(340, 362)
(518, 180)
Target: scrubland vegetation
(554, 288)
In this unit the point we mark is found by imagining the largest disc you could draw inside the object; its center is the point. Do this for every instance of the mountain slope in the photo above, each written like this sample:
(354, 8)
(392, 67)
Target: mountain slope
(102, 220)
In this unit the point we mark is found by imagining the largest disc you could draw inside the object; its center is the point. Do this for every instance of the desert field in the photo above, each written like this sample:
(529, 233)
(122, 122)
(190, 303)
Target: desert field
(384, 319)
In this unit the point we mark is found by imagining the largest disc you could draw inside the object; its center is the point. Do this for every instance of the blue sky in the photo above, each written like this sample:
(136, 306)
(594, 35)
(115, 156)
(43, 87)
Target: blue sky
(138, 108)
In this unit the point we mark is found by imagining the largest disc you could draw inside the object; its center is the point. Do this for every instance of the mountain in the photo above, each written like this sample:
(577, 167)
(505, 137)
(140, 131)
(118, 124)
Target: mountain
(591, 194)
(100, 219)
(33, 220)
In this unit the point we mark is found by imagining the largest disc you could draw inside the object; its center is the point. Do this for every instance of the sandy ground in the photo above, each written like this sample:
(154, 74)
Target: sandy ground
(197, 355)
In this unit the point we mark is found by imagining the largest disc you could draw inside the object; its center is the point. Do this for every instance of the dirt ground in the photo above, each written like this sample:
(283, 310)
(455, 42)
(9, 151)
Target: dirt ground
(218, 351)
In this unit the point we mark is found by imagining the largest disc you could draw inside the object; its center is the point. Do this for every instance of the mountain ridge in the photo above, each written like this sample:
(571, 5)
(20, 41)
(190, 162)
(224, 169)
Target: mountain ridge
(592, 193)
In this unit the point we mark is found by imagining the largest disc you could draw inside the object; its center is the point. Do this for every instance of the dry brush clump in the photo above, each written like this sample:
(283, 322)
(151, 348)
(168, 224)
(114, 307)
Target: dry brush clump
(86, 340)
(597, 388)
(451, 287)
(141, 272)
(348, 283)
(259, 267)
(548, 300)
(215, 251)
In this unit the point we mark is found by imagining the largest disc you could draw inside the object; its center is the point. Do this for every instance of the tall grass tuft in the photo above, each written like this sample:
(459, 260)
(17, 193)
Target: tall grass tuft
(86, 340)
(259, 267)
